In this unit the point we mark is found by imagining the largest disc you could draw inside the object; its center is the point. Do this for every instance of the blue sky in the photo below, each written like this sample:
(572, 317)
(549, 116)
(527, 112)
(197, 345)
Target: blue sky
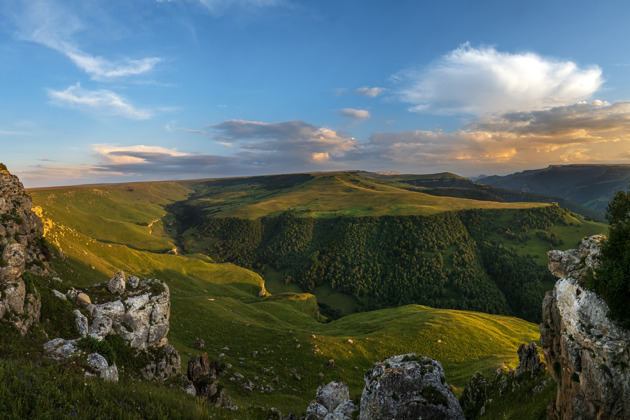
(102, 91)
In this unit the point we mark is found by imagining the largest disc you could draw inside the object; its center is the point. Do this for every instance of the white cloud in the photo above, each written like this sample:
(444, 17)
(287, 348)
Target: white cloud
(370, 91)
(49, 23)
(99, 102)
(218, 7)
(356, 114)
(481, 81)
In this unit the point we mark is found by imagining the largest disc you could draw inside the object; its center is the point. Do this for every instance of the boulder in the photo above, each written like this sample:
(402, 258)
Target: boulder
(588, 352)
(81, 322)
(100, 328)
(332, 394)
(316, 411)
(59, 295)
(133, 281)
(14, 258)
(106, 372)
(117, 283)
(60, 349)
(408, 386)
(82, 299)
(199, 366)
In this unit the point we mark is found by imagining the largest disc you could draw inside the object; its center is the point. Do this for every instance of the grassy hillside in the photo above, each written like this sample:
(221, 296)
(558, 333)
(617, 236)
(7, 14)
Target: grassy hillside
(381, 240)
(274, 336)
(589, 185)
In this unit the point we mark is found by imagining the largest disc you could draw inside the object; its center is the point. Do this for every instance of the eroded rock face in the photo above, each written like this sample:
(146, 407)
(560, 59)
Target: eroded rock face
(165, 364)
(588, 354)
(20, 232)
(408, 386)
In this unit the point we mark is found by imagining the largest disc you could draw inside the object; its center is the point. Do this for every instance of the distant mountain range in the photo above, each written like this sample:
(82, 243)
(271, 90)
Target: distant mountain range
(589, 185)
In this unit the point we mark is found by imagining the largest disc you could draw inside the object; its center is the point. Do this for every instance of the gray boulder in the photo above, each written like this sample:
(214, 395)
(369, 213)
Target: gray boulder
(81, 322)
(106, 372)
(332, 394)
(408, 386)
(117, 283)
(132, 281)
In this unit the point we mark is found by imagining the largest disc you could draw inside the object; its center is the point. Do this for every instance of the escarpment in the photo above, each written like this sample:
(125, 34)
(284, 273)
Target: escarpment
(22, 250)
(588, 354)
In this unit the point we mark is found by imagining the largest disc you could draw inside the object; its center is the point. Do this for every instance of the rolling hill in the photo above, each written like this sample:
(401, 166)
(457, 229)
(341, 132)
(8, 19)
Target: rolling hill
(103, 228)
(589, 185)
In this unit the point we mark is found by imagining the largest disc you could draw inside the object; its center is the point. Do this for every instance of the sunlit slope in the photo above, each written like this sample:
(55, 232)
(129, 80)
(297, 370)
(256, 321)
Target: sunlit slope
(275, 336)
(325, 195)
(130, 214)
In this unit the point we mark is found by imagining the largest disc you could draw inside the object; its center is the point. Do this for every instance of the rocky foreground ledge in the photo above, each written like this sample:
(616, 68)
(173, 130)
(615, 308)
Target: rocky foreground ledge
(588, 354)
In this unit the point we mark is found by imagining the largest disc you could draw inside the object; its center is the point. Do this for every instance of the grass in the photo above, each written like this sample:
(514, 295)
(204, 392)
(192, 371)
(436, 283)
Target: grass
(277, 336)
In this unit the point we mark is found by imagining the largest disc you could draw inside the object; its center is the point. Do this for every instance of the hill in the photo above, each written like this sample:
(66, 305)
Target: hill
(362, 241)
(277, 336)
(589, 185)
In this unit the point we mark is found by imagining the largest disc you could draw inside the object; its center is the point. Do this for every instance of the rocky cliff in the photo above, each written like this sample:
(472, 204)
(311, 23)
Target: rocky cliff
(22, 250)
(589, 354)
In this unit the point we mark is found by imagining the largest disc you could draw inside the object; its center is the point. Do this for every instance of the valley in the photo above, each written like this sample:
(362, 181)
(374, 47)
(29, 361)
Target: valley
(287, 337)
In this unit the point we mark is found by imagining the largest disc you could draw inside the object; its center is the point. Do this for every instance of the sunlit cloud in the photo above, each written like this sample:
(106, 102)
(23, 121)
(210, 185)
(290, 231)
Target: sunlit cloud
(53, 25)
(372, 92)
(98, 102)
(355, 114)
(482, 81)
(584, 132)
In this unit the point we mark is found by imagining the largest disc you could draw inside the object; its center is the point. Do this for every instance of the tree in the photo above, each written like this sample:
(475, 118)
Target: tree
(612, 278)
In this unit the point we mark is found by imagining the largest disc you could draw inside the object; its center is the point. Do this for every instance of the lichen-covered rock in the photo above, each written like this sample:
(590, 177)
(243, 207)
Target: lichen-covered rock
(60, 349)
(587, 352)
(14, 258)
(198, 366)
(529, 360)
(408, 386)
(117, 283)
(81, 323)
(19, 307)
(166, 363)
(332, 394)
(106, 372)
(100, 328)
(133, 281)
(316, 411)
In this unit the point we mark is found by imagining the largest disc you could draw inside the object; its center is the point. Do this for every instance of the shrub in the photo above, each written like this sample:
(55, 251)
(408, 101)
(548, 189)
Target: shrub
(612, 277)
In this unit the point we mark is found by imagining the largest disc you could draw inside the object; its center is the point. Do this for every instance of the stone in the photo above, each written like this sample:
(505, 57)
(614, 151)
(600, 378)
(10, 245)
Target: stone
(133, 281)
(344, 410)
(332, 394)
(60, 349)
(14, 258)
(117, 283)
(100, 328)
(316, 411)
(199, 366)
(199, 343)
(529, 360)
(331, 363)
(586, 350)
(166, 363)
(106, 372)
(238, 376)
(59, 294)
(81, 322)
(82, 299)
(408, 386)
(57, 279)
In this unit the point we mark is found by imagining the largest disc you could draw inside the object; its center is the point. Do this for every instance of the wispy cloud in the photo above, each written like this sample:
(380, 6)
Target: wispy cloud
(483, 80)
(99, 102)
(52, 24)
(372, 92)
(355, 114)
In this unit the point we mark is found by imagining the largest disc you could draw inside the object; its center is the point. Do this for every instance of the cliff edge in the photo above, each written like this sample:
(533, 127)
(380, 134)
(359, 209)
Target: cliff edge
(588, 354)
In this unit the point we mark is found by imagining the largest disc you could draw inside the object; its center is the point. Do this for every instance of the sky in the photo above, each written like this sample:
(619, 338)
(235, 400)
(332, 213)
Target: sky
(137, 90)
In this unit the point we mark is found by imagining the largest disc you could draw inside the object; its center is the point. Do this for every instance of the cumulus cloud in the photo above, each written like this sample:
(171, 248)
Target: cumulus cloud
(372, 92)
(291, 142)
(483, 80)
(51, 24)
(99, 102)
(355, 114)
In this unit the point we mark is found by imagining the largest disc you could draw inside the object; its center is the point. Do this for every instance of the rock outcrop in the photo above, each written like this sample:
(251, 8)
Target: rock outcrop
(480, 392)
(202, 373)
(139, 314)
(22, 250)
(589, 354)
(408, 386)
